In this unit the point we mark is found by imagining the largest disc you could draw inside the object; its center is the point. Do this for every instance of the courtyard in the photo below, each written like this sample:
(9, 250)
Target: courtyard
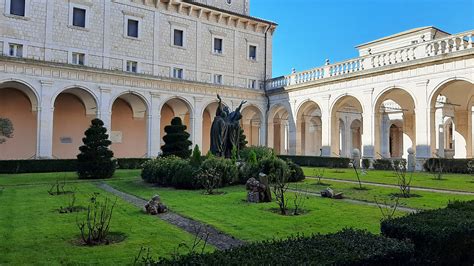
(34, 231)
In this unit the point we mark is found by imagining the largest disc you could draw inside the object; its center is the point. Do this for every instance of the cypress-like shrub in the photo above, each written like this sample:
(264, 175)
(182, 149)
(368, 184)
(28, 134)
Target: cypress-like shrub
(176, 140)
(296, 172)
(348, 247)
(272, 166)
(242, 139)
(441, 237)
(95, 161)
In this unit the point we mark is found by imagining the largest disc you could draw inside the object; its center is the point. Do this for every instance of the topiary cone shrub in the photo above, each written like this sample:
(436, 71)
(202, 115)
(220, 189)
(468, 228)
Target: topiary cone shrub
(96, 159)
(177, 141)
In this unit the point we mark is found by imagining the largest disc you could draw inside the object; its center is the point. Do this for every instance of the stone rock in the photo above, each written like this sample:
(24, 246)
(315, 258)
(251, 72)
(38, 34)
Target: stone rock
(154, 206)
(254, 188)
(267, 194)
(327, 193)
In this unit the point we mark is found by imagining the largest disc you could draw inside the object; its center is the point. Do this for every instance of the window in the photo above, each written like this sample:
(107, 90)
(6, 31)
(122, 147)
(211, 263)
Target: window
(252, 52)
(79, 17)
(132, 66)
(15, 50)
(17, 7)
(178, 37)
(217, 79)
(229, 2)
(252, 84)
(132, 28)
(217, 46)
(178, 73)
(78, 58)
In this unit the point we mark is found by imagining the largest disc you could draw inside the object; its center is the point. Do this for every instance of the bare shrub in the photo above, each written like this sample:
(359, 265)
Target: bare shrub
(58, 188)
(357, 174)
(96, 225)
(318, 173)
(299, 199)
(210, 179)
(403, 179)
(388, 209)
(280, 186)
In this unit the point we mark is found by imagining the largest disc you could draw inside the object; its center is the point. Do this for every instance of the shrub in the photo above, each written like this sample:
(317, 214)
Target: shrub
(441, 237)
(260, 152)
(176, 140)
(95, 161)
(196, 158)
(387, 164)
(162, 170)
(184, 177)
(225, 170)
(455, 166)
(296, 172)
(365, 163)
(348, 247)
(6, 129)
(317, 161)
(272, 166)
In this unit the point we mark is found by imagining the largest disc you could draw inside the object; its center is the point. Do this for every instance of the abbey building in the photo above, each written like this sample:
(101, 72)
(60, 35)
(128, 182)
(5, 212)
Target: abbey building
(135, 64)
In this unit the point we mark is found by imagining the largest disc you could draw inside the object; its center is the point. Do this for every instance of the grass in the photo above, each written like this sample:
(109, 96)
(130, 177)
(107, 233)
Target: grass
(33, 232)
(457, 182)
(231, 214)
(422, 199)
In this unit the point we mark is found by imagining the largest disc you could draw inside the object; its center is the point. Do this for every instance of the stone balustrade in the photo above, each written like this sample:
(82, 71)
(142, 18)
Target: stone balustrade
(450, 44)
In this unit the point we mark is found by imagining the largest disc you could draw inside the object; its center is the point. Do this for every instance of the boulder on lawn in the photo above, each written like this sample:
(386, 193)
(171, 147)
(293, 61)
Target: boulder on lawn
(154, 206)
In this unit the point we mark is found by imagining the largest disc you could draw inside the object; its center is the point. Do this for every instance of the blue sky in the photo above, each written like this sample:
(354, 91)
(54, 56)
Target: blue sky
(310, 31)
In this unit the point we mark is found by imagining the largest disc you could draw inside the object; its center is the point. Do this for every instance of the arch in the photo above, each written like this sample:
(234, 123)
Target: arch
(74, 108)
(176, 106)
(278, 128)
(252, 124)
(25, 88)
(19, 103)
(88, 98)
(129, 126)
(394, 105)
(452, 98)
(309, 129)
(137, 101)
(346, 108)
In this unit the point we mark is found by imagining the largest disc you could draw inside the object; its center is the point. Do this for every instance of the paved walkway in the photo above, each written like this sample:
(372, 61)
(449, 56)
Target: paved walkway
(360, 202)
(216, 238)
(446, 191)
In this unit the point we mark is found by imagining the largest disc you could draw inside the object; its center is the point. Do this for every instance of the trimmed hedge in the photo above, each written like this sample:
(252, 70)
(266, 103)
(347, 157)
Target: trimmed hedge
(387, 164)
(441, 237)
(348, 247)
(317, 161)
(455, 166)
(58, 165)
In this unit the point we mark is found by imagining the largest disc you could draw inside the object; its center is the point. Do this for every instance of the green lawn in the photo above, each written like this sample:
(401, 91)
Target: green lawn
(421, 199)
(420, 179)
(231, 214)
(33, 232)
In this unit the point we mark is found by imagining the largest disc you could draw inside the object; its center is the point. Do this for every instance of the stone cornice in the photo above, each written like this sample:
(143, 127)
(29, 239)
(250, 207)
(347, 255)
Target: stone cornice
(109, 78)
(413, 64)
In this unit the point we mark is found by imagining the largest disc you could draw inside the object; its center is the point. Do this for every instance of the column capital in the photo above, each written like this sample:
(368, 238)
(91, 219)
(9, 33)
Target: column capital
(326, 97)
(368, 91)
(423, 83)
(46, 83)
(155, 95)
(104, 89)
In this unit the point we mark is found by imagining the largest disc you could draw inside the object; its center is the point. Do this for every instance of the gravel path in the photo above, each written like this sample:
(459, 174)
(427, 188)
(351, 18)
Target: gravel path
(446, 191)
(360, 202)
(216, 238)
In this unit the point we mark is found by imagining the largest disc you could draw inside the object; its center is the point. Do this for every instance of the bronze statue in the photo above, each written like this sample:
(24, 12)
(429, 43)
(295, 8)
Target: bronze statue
(225, 130)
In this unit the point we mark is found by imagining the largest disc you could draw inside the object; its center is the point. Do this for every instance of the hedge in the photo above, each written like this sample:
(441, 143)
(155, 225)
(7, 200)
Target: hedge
(441, 237)
(58, 165)
(387, 164)
(455, 166)
(318, 161)
(348, 247)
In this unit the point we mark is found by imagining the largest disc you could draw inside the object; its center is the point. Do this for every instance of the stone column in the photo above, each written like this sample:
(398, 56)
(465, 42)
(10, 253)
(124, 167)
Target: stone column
(154, 125)
(368, 126)
(423, 128)
(291, 136)
(44, 146)
(105, 108)
(326, 126)
(385, 136)
(197, 122)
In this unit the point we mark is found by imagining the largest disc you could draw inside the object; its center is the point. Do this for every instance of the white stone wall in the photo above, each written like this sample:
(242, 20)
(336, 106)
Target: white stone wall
(46, 34)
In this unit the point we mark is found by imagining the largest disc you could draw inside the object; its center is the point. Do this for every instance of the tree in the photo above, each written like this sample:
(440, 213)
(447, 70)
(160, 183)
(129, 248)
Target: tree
(6, 129)
(242, 140)
(196, 158)
(95, 161)
(176, 140)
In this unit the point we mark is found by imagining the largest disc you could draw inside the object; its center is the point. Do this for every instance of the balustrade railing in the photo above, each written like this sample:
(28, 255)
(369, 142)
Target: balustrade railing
(450, 44)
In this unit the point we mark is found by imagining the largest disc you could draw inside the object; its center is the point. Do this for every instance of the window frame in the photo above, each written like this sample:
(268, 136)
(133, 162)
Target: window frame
(221, 81)
(175, 26)
(125, 68)
(256, 52)
(252, 82)
(214, 51)
(71, 16)
(71, 58)
(126, 18)
(8, 10)
(23, 49)
(173, 71)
